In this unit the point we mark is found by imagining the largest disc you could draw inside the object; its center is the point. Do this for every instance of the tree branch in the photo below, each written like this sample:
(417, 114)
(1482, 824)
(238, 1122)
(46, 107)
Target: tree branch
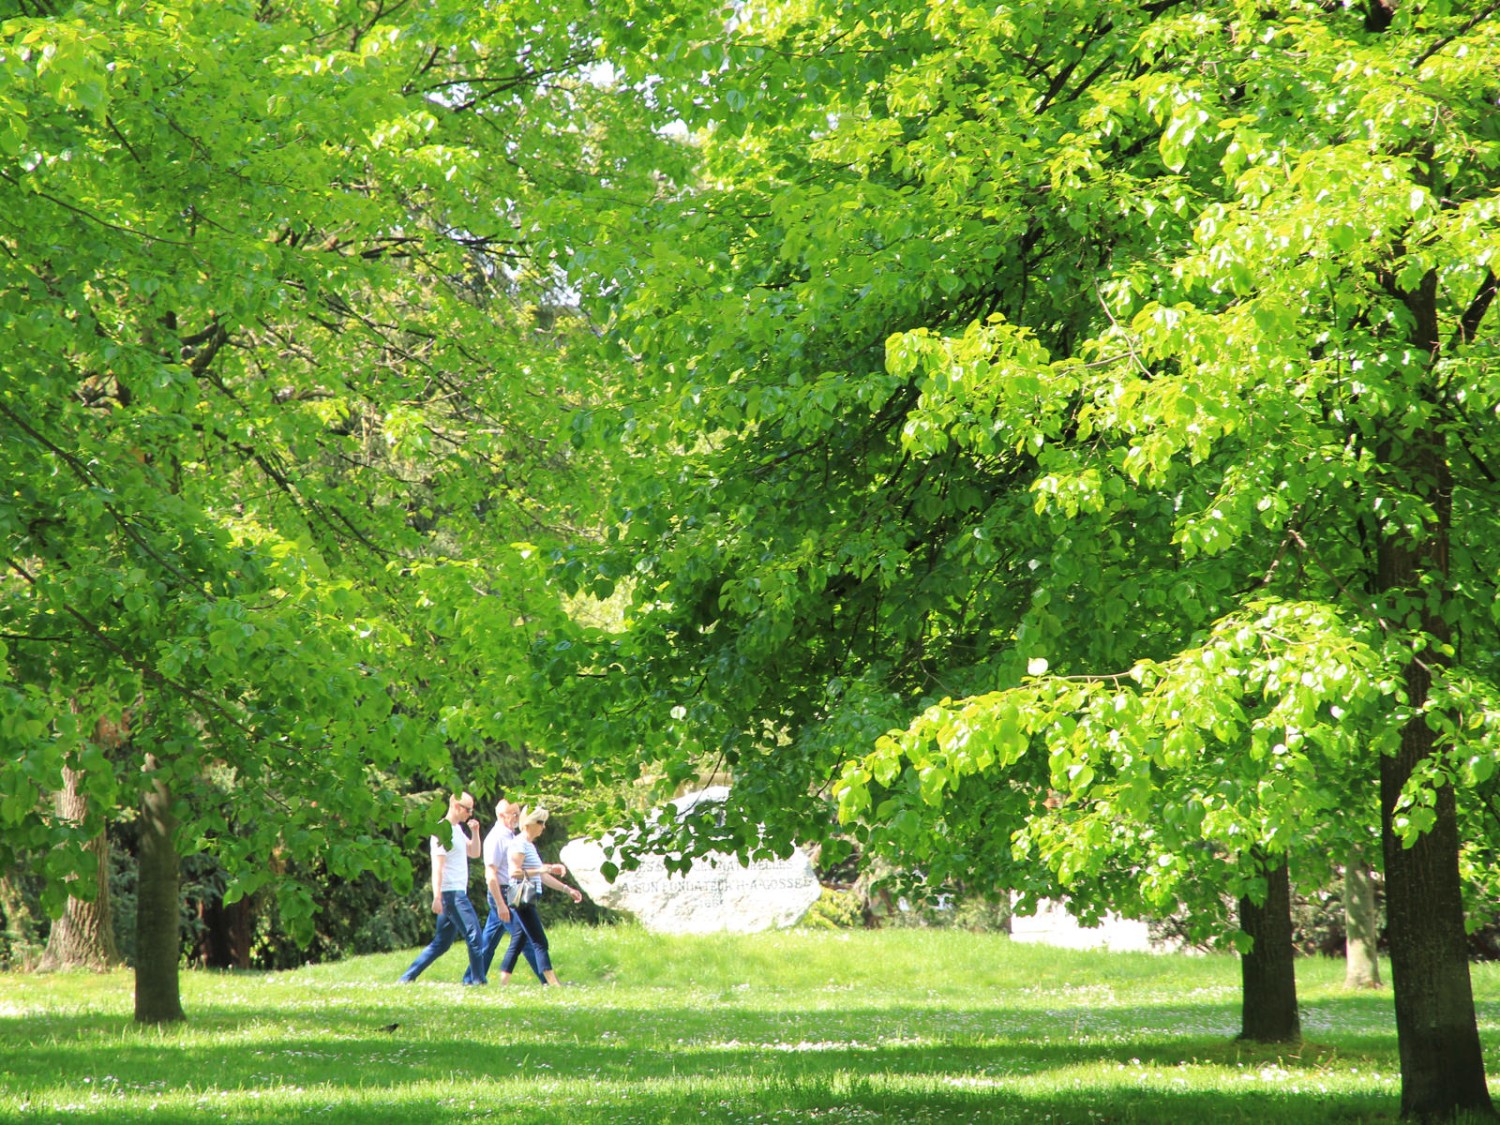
(66, 206)
(84, 474)
(1468, 324)
(146, 670)
(1468, 27)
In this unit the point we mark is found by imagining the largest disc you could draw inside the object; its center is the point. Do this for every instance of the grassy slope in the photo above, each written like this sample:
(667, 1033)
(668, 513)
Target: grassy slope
(901, 1026)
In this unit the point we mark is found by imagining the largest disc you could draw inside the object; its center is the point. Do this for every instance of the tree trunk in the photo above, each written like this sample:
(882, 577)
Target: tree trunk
(225, 943)
(84, 937)
(21, 926)
(1268, 1004)
(1442, 1067)
(1361, 925)
(158, 998)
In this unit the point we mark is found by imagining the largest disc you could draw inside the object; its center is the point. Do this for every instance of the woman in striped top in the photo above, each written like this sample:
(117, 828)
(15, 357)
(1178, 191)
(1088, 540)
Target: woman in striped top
(526, 865)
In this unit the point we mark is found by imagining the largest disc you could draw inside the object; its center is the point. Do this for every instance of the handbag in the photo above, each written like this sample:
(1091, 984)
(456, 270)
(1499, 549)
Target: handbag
(521, 894)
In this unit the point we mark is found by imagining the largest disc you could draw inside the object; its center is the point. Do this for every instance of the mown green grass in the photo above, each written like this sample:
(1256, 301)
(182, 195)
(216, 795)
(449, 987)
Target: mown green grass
(902, 1026)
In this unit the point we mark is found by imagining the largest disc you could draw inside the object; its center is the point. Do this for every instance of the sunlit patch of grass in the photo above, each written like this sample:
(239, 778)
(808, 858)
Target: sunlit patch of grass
(907, 1026)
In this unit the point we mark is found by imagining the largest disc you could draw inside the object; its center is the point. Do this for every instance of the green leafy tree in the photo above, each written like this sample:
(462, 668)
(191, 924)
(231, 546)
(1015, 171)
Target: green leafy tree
(284, 392)
(1101, 396)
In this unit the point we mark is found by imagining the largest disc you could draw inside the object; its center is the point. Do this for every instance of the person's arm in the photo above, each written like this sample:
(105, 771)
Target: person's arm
(439, 858)
(475, 843)
(550, 880)
(492, 881)
(517, 861)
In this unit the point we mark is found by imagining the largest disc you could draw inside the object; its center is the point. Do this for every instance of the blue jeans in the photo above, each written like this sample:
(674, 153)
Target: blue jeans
(530, 936)
(457, 919)
(490, 940)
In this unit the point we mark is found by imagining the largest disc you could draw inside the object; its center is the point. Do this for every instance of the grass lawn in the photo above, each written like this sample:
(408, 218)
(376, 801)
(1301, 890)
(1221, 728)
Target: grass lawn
(902, 1026)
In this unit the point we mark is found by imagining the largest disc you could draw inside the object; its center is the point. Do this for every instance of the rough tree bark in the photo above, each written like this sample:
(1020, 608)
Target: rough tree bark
(1442, 1066)
(84, 936)
(1361, 925)
(158, 997)
(1268, 1006)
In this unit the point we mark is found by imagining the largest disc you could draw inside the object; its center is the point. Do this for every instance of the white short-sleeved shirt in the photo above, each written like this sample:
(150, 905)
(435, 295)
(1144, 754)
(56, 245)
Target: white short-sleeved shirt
(456, 869)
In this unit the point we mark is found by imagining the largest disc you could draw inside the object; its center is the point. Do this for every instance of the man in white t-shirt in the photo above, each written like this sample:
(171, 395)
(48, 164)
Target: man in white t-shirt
(452, 848)
(501, 920)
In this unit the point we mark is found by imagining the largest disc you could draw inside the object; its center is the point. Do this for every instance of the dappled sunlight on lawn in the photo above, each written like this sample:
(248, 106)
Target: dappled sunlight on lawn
(1110, 1040)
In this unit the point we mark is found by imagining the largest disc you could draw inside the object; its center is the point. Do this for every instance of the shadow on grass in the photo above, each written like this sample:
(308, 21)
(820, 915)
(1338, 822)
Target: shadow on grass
(772, 1101)
(617, 1066)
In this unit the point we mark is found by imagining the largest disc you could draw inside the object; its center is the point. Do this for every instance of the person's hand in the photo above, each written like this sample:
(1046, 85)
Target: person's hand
(437, 904)
(559, 870)
(577, 896)
(473, 825)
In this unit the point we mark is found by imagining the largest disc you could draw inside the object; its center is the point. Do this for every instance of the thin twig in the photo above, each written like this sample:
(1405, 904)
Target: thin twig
(1468, 27)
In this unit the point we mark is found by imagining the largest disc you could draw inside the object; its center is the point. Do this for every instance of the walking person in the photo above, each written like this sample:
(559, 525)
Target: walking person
(526, 868)
(501, 918)
(452, 848)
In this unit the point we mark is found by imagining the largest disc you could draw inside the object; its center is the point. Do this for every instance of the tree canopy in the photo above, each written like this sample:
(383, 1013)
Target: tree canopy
(285, 396)
(1057, 439)
(1102, 399)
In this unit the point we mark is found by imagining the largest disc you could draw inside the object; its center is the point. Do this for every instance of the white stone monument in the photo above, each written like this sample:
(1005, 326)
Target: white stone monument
(717, 895)
(1053, 925)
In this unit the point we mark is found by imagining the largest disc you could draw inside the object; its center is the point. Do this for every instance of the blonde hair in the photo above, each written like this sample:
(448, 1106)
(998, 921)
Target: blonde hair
(537, 815)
